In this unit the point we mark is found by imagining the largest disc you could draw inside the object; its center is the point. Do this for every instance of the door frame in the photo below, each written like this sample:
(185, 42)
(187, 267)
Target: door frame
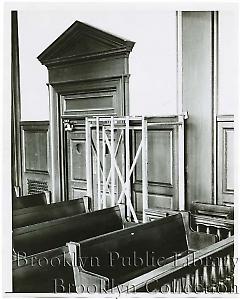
(57, 117)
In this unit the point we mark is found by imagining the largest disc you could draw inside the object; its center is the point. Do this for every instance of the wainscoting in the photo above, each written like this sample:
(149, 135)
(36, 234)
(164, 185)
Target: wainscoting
(35, 157)
(225, 159)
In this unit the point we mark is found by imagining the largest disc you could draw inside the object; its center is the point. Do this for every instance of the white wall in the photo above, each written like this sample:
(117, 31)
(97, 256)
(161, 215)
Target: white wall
(152, 61)
(228, 61)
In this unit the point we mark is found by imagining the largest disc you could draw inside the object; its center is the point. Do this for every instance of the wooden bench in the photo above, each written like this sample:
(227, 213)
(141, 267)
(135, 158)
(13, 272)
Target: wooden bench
(37, 214)
(117, 257)
(51, 234)
(29, 201)
(46, 242)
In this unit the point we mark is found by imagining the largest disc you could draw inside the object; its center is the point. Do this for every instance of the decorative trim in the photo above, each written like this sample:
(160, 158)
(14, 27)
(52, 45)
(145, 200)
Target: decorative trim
(225, 144)
(34, 123)
(227, 118)
(215, 52)
(79, 58)
(61, 85)
(78, 30)
(225, 195)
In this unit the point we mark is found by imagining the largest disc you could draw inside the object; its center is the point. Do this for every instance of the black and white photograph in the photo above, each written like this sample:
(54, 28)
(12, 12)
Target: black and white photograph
(119, 149)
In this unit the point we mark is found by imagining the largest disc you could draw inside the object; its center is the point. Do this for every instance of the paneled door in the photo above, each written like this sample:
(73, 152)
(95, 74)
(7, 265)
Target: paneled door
(75, 164)
(75, 161)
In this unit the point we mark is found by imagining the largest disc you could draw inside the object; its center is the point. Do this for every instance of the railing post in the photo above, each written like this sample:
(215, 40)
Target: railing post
(112, 163)
(98, 164)
(144, 168)
(88, 159)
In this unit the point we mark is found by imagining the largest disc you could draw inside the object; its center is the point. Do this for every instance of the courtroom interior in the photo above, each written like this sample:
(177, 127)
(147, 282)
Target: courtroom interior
(123, 150)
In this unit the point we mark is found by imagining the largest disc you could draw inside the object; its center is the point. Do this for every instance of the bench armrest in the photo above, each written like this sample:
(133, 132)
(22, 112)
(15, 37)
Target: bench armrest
(83, 277)
(198, 240)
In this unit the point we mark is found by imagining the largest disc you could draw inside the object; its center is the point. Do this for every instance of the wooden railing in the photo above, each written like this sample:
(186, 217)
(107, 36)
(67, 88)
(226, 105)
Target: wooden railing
(212, 270)
(223, 228)
(216, 219)
(204, 272)
(207, 270)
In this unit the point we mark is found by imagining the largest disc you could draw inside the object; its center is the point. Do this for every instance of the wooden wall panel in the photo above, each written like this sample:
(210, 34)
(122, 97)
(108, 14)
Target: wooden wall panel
(198, 101)
(36, 158)
(160, 150)
(91, 97)
(155, 201)
(90, 102)
(77, 193)
(162, 167)
(225, 161)
(35, 154)
(78, 166)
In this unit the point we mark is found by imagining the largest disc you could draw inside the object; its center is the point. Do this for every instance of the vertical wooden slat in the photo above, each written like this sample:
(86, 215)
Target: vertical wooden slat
(219, 234)
(196, 279)
(221, 268)
(98, 164)
(123, 155)
(104, 167)
(112, 163)
(16, 172)
(229, 279)
(54, 152)
(177, 285)
(88, 159)
(188, 283)
(127, 165)
(205, 275)
(213, 274)
(207, 229)
(228, 264)
(197, 227)
(144, 168)
(173, 285)
(181, 284)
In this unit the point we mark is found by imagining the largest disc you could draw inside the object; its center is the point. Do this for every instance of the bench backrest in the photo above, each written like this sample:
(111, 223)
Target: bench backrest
(29, 201)
(161, 238)
(33, 215)
(42, 272)
(207, 209)
(51, 234)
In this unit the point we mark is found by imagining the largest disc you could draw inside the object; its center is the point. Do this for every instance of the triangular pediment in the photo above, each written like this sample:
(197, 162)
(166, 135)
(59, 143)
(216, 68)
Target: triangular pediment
(83, 41)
